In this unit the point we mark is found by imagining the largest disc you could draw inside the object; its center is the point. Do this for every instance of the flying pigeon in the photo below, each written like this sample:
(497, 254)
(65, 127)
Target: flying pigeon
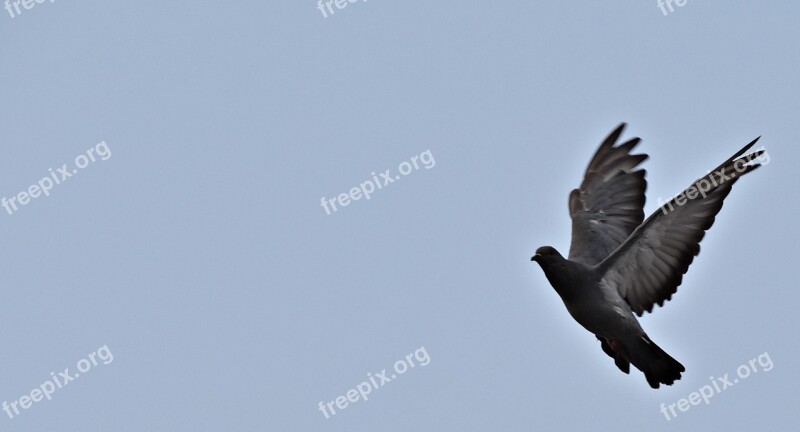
(619, 265)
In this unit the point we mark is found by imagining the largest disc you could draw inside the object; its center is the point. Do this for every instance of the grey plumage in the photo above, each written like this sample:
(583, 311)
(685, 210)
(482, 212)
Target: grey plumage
(619, 265)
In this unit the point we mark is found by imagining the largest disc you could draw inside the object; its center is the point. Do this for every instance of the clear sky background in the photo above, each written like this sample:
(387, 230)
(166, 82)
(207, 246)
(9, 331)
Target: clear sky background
(199, 253)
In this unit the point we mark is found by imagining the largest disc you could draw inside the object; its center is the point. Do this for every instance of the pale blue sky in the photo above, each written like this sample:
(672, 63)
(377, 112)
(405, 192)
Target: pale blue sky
(199, 254)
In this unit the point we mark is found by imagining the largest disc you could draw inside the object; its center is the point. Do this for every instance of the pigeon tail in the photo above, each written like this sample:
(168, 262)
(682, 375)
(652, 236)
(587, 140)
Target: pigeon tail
(658, 366)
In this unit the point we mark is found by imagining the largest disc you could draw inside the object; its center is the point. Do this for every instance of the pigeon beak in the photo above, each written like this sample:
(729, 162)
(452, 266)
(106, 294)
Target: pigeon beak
(536, 257)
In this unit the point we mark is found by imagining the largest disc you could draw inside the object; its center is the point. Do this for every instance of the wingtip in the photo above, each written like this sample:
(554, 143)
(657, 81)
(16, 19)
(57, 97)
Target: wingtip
(612, 137)
(741, 152)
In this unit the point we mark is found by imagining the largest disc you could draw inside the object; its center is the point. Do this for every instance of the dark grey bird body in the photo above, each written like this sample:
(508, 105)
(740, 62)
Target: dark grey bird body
(619, 266)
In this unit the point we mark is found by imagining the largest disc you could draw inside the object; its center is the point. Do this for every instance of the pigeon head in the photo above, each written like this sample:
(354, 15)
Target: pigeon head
(557, 270)
(547, 256)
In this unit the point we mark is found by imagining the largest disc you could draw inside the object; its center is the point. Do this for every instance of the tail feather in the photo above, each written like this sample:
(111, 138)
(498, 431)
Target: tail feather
(658, 366)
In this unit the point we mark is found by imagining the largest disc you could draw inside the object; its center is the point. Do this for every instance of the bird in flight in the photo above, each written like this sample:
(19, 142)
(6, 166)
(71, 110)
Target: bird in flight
(618, 265)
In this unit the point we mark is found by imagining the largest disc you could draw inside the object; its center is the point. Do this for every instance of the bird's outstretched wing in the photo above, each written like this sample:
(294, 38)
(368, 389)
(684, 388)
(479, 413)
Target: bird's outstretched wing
(608, 205)
(647, 268)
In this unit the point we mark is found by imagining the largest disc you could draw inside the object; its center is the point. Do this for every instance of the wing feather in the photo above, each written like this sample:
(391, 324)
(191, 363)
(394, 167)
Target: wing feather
(648, 267)
(609, 203)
